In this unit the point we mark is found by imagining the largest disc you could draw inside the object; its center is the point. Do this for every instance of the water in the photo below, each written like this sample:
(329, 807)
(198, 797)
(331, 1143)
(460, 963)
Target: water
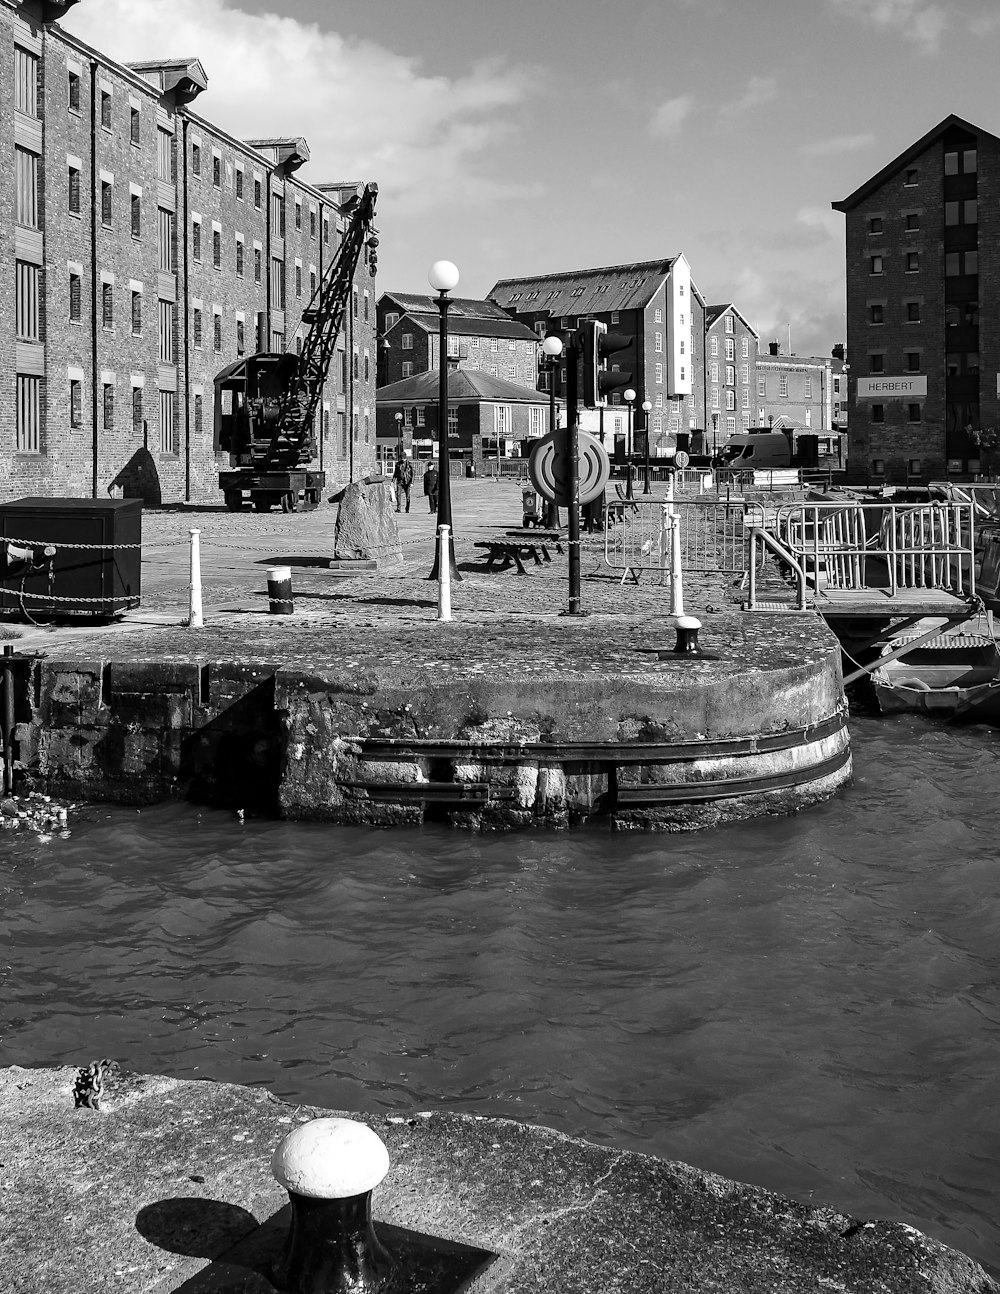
(807, 1003)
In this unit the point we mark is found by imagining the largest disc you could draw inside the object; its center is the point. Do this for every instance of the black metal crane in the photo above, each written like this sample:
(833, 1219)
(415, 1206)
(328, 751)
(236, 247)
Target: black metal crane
(265, 404)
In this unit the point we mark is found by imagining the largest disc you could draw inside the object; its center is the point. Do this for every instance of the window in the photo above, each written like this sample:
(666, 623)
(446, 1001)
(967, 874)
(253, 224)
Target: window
(278, 215)
(761, 387)
(133, 125)
(615, 317)
(241, 333)
(73, 91)
(407, 341)
(136, 313)
(107, 305)
(257, 194)
(108, 400)
(217, 248)
(407, 368)
(239, 258)
(312, 281)
(972, 262)
(912, 262)
(277, 283)
(326, 229)
(75, 402)
(730, 348)
(913, 361)
(659, 374)
(27, 278)
(875, 225)
(196, 328)
(715, 345)
(239, 184)
(298, 213)
(783, 384)
(107, 203)
(165, 239)
(745, 374)
(216, 169)
(75, 297)
(876, 313)
(657, 316)
(137, 408)
(73, 190)
(195, 239)
(746, 347)
(807, 388)
(25, 81)
(217, 331)
(166, 338)
(298, 278)
(312, 222)
(875, 265)
(876, 363)
(168, 440)
(911, 177)
(730, 375)
(135, 202)
(913, 415)
(730, 324)
(26, 182)
(165, 155)
(658, 342)
(27, 431)
(715, 371)
(878, 413)
(106, 109)
(913, 312)
(257, 264)
(195, 159)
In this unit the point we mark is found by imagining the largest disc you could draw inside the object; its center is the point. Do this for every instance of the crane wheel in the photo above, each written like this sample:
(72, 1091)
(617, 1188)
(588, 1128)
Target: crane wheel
(289, 502)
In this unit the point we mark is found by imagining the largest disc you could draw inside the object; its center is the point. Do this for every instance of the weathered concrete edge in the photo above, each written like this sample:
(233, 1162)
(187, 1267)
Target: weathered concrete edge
(89, 1197)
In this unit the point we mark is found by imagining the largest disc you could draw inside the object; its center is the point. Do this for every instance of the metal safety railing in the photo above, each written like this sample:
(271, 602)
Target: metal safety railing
(713, 535)
(894, 547)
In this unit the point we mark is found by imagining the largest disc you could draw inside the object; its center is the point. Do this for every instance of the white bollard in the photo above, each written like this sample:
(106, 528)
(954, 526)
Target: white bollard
(444, 573)
(195, 619)
(676, 575)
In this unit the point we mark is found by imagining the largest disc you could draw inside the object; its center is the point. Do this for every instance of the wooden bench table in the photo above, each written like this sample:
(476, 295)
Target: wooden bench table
(512, 548)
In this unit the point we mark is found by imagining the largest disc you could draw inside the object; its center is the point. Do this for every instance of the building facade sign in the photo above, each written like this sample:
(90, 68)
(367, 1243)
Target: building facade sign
(891, 388)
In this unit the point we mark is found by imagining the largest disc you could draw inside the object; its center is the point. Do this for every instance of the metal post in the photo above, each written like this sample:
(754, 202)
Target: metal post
(573, 450)
(629, 493)
(443, 302)
(195, 620)
(647, 487)
(444, 580)
(8, 720)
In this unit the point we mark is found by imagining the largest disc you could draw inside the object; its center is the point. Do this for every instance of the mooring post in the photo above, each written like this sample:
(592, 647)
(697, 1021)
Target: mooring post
(329, 1167)
(8, 719)
(444, 572)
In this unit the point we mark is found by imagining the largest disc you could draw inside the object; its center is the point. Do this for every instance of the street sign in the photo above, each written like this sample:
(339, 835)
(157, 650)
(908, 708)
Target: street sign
(548, 467)
(681, 459)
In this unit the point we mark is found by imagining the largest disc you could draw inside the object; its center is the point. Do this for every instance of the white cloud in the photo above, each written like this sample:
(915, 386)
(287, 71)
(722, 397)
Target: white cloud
(365, 111)
(760, 90)
(922, 21)
(669, 116)
(837, 144)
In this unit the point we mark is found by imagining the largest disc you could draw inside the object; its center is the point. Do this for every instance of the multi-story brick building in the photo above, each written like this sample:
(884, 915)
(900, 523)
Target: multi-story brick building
(798, 389)
(142, 250)
(655, 304)
(731, 346)
(923, 259)
(481, 337)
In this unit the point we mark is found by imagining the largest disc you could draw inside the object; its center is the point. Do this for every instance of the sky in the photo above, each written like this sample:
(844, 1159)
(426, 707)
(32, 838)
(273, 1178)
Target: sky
(517, 137)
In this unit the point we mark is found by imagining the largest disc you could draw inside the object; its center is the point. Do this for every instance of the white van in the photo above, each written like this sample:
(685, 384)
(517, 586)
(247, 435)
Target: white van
(756, 450)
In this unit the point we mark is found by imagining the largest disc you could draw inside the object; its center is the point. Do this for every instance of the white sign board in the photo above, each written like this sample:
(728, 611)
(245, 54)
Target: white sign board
(891, 388)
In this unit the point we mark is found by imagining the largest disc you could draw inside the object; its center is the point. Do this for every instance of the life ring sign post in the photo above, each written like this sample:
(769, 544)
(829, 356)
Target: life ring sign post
(570, 469)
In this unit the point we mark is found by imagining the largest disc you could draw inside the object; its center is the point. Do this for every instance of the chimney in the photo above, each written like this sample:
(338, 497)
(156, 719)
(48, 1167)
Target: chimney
(838, 351)
(772, 346)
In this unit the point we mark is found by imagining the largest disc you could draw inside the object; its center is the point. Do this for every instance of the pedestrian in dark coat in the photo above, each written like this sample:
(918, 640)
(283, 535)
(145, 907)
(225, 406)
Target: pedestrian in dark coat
(431, 486)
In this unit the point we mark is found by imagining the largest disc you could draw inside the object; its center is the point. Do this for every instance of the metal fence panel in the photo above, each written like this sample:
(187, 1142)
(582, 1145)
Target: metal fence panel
(713, 536)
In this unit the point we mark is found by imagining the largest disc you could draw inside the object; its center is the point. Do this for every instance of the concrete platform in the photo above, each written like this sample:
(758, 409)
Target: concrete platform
(166, 1189)
(363, 707)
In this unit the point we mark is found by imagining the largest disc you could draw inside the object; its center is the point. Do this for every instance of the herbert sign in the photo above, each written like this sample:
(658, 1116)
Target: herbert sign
(891, 388)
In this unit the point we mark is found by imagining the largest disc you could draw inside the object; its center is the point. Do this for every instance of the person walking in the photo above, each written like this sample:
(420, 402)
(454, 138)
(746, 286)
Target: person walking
(402, 479)
(431, 486)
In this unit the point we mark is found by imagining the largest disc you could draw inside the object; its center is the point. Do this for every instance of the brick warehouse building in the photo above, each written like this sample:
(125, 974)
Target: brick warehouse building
(144, 249)
(657, 305)
(923, 269)
(731, 346)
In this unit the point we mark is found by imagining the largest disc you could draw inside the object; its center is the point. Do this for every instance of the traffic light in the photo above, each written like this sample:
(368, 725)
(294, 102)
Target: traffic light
(598, 344)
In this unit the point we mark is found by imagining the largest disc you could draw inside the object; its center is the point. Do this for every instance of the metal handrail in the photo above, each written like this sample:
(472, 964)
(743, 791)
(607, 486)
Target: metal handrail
(767, 540)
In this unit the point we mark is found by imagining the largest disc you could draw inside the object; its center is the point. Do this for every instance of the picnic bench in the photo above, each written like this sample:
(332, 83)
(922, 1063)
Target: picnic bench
(512, 547)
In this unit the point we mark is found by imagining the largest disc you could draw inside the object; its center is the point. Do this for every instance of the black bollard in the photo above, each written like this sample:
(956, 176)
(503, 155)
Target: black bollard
(329, 1167)
(687, 636)
(279, 591)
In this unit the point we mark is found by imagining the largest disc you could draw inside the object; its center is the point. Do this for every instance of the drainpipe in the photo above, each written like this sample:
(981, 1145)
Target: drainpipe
(350, 379)
(185, 298)
(94, 199)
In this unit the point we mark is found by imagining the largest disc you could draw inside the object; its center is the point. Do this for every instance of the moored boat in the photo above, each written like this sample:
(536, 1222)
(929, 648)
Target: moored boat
(951, 676)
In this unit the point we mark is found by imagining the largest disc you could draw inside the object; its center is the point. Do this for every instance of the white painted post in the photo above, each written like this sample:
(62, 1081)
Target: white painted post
(195, 619)
(676, 578)
(444, 573)
(666, 530)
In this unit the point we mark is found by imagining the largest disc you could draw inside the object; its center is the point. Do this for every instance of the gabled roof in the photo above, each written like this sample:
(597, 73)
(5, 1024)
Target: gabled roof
(714, 313)
(461, 326)
(465, 386)
(460, 307)
(908, 155)
(584, 292)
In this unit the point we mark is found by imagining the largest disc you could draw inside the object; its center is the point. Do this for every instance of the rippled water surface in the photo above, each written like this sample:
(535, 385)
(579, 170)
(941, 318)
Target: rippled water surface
(808, 1003)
